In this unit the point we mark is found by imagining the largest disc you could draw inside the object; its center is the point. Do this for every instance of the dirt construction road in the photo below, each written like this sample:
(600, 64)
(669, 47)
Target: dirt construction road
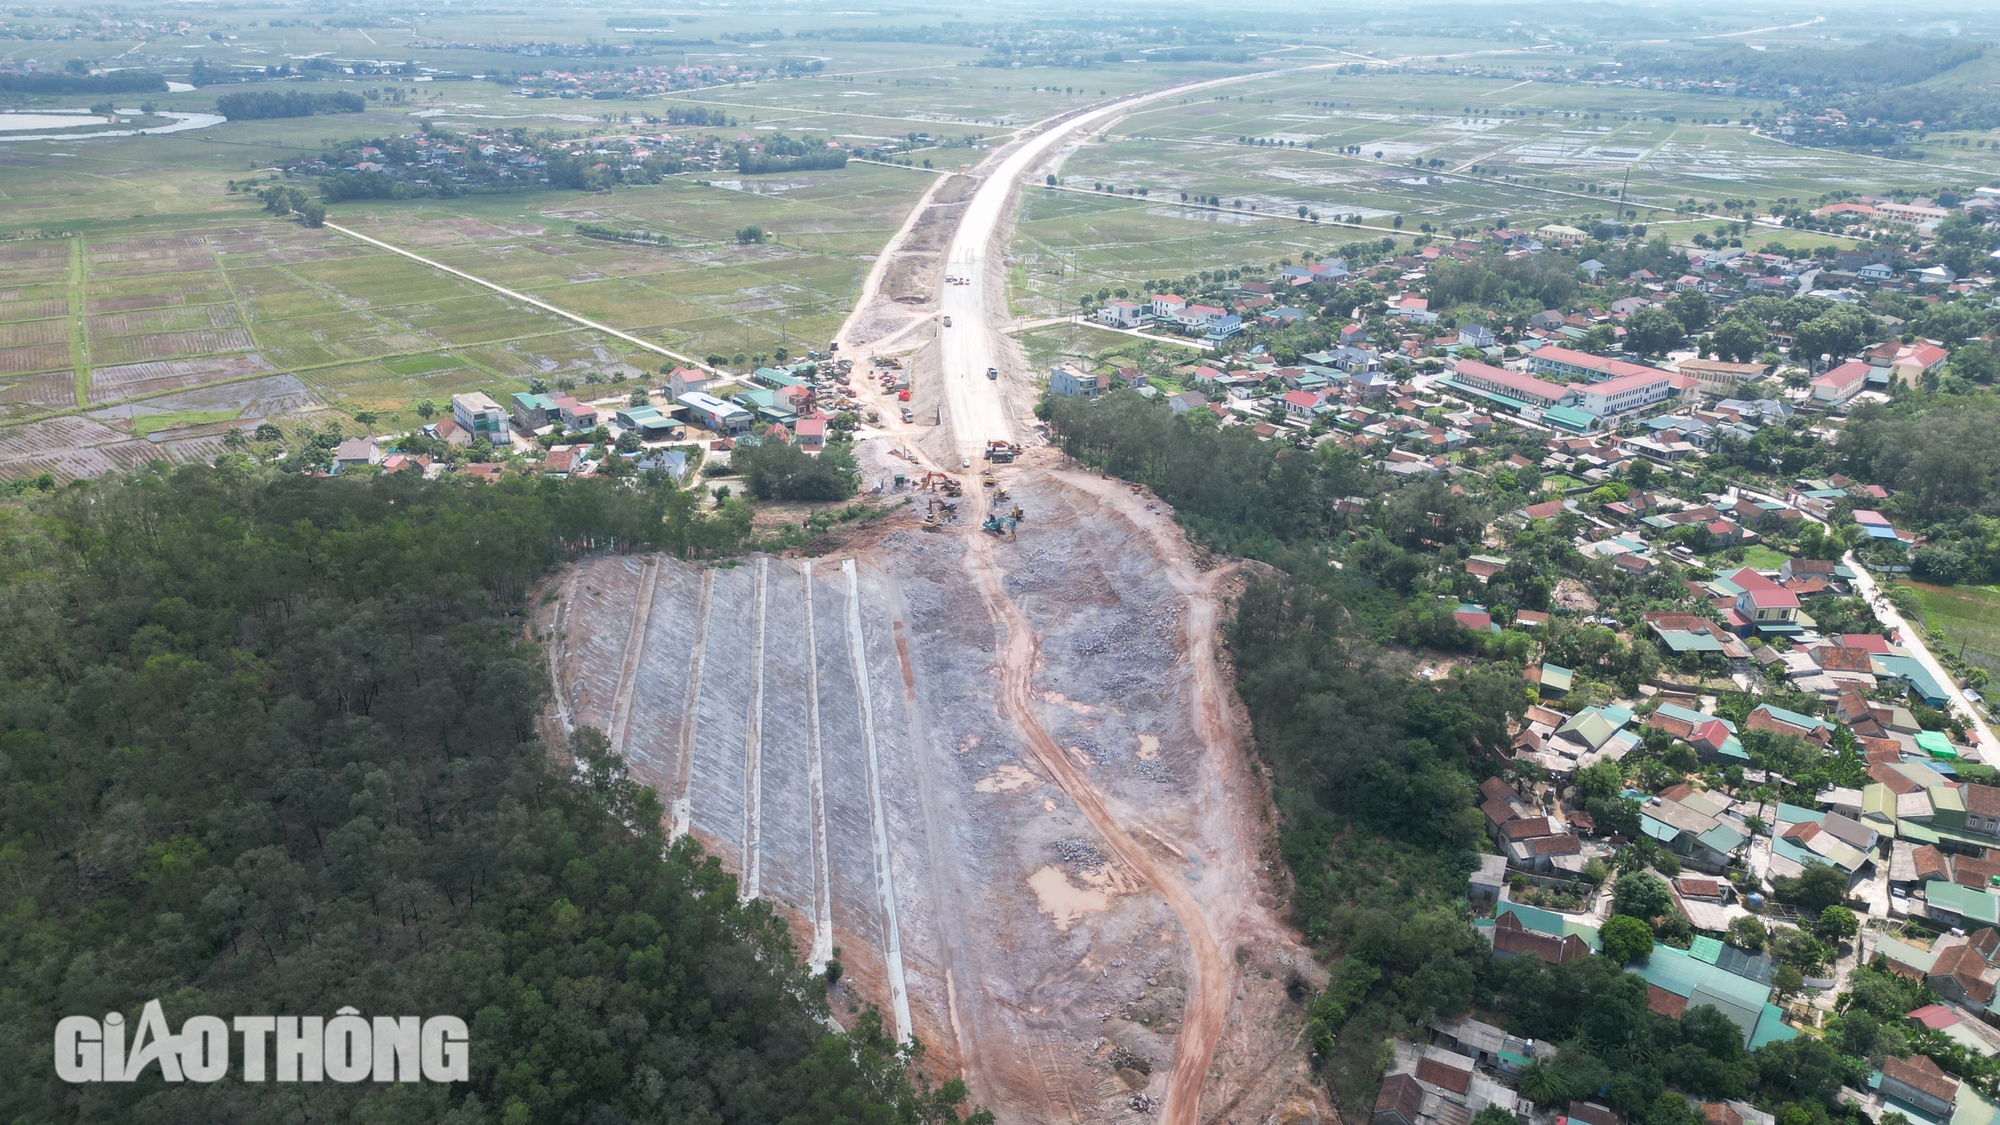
(1208, 993)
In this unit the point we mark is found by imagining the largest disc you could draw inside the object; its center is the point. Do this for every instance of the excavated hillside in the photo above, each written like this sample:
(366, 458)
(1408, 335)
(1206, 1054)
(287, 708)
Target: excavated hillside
(1004, 777)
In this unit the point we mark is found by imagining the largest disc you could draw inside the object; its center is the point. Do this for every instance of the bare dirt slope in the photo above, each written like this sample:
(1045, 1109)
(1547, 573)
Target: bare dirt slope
(1000, 775)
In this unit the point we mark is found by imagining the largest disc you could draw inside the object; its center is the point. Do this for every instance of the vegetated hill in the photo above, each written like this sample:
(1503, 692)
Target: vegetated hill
(268, 746)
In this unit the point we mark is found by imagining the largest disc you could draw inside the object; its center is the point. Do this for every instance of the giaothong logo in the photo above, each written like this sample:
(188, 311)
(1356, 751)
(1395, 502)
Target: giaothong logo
(346, 1048)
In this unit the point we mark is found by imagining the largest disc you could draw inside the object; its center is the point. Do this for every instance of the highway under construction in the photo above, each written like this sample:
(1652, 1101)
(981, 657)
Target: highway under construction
(985, 754)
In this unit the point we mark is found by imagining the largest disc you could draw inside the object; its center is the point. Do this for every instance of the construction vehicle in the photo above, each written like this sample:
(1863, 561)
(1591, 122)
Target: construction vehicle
(932, 523)
(993, 373)
(909, 415)
(987, 479)
(951, 487)
(943, 509)
(947, 322)
(1017, 515)
(903, 395)
(998, 524)
(1001, 452)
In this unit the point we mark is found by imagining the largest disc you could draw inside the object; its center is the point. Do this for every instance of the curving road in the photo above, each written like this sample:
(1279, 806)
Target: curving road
(976, 404)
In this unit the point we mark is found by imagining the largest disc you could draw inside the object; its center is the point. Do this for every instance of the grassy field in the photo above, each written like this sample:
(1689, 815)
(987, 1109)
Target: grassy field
(1760, 557)
(1968, 617)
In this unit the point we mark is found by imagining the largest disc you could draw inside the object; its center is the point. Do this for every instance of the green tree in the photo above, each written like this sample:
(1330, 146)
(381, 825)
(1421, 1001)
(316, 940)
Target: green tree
(1740, 339)
(779, 470)
(1836, 923)
(1653, 331)
(334, 722)
(1817, 888)
(1626, 939)
(1747, 933)
(1690, 307)
(1641, 894)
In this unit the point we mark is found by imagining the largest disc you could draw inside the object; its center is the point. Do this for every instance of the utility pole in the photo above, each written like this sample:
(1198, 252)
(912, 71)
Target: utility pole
(1621, 193)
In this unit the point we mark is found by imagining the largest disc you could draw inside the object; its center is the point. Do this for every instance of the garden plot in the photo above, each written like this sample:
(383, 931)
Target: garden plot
(275, 396)
(33, 358)
(34, 394)
(30, 333)
(134, 302)
(118, 381)
(169, 345)
(33, 308)
(178, 318)
(71, 447)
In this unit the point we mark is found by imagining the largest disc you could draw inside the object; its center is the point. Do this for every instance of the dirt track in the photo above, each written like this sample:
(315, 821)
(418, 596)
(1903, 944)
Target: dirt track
(1201, 1020)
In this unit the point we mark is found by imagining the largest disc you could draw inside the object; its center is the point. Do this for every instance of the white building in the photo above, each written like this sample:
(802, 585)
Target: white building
(480, 416)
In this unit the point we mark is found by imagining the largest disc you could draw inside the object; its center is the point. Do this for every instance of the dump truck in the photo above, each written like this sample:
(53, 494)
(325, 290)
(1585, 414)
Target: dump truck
(1000, 451)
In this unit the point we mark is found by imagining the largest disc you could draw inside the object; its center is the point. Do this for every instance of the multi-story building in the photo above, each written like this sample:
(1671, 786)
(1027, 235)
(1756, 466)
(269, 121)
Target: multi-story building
(481, 417)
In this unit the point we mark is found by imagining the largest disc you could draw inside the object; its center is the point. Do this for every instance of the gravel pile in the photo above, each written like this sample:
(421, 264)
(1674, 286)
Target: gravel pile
(1080, 853)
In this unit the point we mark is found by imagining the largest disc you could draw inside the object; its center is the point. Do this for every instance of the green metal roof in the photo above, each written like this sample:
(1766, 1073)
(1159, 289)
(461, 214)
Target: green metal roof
(1772, 1028)
(1722, 838)
(1549, 922)
(1593, 729)
(1878, 802)
(1705, 949)
(1905, 953)
(1568, 417)
(1556, 677)
(1793, 717)
(1744, 1001)
(1907, 669)
(1794, 814)
(1973, 906)
(1683, 640)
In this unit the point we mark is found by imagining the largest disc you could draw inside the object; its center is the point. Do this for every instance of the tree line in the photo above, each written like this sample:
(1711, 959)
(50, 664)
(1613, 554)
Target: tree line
(254, 105)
